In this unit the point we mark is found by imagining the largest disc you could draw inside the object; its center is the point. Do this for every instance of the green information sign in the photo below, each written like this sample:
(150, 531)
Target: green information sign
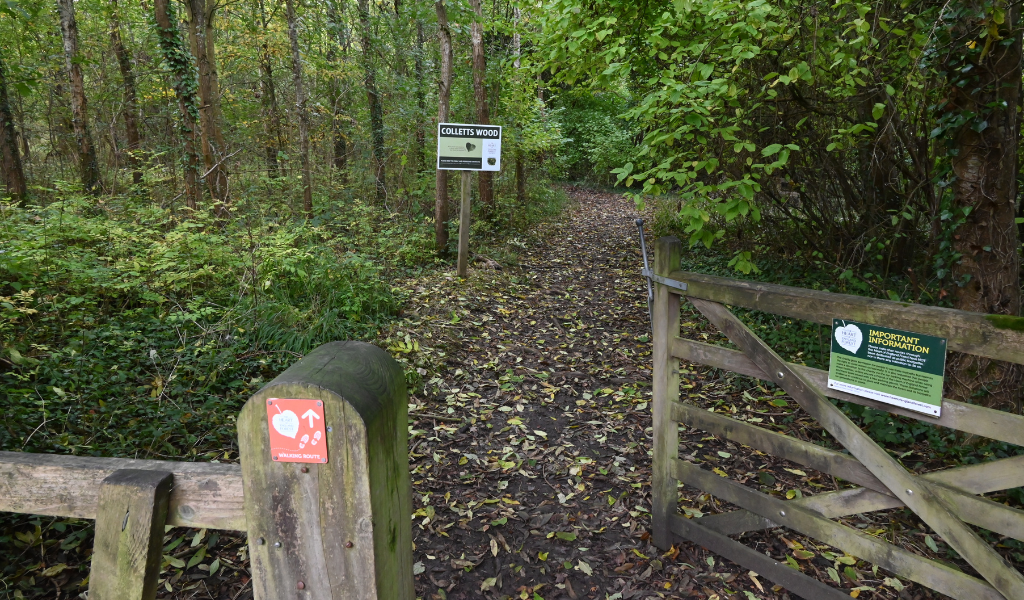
(901, 368)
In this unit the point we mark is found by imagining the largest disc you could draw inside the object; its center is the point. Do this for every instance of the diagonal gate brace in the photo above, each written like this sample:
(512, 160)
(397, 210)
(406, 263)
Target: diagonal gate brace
(917, 494)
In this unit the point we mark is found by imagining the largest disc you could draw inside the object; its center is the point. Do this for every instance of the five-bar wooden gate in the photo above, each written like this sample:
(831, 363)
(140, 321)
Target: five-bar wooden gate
(946, 500)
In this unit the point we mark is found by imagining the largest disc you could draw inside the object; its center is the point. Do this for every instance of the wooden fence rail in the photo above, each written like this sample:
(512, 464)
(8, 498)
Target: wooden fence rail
(340, 529)
(947, 501)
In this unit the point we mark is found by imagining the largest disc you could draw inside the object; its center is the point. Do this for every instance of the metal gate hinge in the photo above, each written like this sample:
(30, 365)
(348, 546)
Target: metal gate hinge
(672, 283)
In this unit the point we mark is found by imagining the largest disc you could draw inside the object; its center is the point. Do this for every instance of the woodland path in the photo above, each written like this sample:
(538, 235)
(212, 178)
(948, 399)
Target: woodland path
(530, 446)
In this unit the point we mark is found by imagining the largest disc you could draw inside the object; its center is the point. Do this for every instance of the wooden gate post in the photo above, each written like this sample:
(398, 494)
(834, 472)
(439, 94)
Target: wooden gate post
(130, 517)
(665, 391)
(343, 529)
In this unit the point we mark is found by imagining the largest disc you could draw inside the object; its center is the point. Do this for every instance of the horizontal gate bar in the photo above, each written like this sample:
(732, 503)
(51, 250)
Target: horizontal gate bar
(204, 495)
(993, 336)
(789, 578)
(957, 486)
(987, 422)
(933, 574)
(914, 492)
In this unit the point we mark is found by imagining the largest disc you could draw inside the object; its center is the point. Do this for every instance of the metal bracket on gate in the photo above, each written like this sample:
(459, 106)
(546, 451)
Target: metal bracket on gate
(651, 277)
(672, 283)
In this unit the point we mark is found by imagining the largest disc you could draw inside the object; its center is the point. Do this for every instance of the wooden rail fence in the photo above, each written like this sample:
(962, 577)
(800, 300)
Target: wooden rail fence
(332, 531)
(947, 500)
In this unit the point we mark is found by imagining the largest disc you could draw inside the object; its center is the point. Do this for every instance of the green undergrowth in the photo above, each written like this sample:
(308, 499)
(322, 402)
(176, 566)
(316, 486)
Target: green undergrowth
(127, 330)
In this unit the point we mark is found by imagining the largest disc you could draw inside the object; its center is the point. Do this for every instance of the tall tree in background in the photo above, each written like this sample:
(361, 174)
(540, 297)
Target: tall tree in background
(983, 70)
(337, 51)
(90, 170)
(421, 98)
(517, 51)
(179, 62)
(300, 109)
(131, 104)
(201, 39)
(373, 101)
(268, 98)
(480, 94)
(444, 93)
(14, 175)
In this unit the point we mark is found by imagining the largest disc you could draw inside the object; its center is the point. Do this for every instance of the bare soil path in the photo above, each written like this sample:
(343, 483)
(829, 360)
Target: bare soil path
(530, 439)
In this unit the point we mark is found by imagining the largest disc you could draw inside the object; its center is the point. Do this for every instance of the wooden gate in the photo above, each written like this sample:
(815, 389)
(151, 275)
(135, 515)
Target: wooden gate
(946, 500)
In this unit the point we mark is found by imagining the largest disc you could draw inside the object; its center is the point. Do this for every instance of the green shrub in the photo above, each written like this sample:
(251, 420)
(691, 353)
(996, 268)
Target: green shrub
(128, 331)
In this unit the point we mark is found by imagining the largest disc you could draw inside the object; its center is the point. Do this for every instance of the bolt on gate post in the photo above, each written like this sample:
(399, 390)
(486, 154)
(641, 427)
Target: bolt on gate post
(338, 528)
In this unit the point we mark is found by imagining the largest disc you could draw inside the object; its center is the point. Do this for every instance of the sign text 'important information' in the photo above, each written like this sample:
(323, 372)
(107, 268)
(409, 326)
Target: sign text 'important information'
(901, 368)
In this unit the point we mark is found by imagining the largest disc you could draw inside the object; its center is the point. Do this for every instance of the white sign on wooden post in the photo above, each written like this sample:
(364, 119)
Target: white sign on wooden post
(467, 147)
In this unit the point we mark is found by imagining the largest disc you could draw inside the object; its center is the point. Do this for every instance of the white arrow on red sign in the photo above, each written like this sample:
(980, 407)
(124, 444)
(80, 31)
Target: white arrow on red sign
(311, 415)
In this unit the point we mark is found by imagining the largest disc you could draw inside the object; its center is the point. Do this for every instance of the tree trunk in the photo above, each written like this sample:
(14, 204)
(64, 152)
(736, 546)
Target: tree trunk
(338, 33)
(517, 50)
(172, 47)
(480, 95)
(131, 104)
(421, 102)
(201, 41)
(300, 109)
(444, 94)
(985, 163)
(90, 170)
(268, 98)
(373, 99)
(14, 174)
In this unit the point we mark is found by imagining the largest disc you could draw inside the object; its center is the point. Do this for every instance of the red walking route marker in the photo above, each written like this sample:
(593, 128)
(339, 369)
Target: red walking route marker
(297, 430)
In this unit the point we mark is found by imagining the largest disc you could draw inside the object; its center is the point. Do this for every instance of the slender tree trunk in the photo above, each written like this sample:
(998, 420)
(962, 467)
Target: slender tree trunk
(517, 49)
(517, 40)
(268, 97)
(131, 103)
(88, 165)
(300, 109)
(373, 99)
(179, 61)
(480, 95)
(421, 101)
(200, 37)
(340, 154)
(14, 174)
(444, 94)
(986, 166)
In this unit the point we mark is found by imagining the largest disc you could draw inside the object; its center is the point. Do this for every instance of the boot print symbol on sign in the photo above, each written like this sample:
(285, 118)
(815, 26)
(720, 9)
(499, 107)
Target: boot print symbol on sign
(296, 429)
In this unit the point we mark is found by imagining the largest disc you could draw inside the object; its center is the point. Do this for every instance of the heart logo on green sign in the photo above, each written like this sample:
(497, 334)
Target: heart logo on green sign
(849, 337)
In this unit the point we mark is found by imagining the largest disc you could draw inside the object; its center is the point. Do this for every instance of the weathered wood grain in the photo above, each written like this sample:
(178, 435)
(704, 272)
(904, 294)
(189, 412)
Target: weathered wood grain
(933, 574)
(204, 495)
(958, 485)
(791, 579)
(342, 528)
(986, 422)
(665, 392)
(913, 492)
(993, 336)
(129, 535)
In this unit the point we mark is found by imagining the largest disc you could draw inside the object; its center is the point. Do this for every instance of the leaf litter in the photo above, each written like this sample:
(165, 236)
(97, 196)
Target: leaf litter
(530, 433)
(530, 430)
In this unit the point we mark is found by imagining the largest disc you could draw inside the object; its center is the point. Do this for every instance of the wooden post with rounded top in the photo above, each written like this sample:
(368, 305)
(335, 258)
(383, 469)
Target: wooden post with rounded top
(342, 529)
